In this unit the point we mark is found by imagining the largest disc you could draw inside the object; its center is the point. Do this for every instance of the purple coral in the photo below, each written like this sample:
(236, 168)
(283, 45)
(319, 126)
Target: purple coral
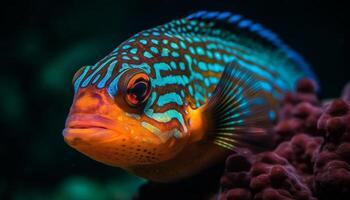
(301, 152)
(299, 113)
(263, 176)
(297, 169)
(332, 167)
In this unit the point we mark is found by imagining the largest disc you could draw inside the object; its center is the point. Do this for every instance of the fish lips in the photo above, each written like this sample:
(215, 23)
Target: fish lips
(87, 129)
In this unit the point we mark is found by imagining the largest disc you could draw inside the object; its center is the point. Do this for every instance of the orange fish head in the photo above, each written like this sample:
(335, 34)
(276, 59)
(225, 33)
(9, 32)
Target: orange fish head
(114, 132)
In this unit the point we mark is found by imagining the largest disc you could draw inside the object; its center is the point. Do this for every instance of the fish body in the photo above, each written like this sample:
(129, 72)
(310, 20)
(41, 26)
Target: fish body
(175, 99)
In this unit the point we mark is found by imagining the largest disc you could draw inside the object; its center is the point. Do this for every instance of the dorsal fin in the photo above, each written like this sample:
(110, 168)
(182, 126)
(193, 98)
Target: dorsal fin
(247, 28)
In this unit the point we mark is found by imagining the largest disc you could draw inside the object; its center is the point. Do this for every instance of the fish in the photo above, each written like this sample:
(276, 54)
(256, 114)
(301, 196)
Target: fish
(172, 100)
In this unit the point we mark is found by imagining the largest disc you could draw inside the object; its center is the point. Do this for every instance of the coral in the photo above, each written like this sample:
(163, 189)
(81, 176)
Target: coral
(301, 152)
(311, 158)
(263, 176)
(299, 113)
(332, 167)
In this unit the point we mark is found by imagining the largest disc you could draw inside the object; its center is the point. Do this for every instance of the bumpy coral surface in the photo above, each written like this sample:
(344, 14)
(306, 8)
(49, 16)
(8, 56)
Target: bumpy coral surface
(299, 113)
(268, 176)
(332, 167)
(310, 159)
(301, 152)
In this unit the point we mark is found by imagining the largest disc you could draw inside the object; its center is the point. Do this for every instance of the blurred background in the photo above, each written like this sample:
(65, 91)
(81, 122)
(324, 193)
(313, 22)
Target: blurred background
(44, 42)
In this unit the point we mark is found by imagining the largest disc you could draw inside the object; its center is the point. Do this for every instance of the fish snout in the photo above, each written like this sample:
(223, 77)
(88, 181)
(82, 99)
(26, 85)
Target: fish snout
(88, 102)
(91, 118)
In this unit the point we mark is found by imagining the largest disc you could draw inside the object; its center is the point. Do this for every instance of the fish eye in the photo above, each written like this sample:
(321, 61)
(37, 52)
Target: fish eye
(138, 90)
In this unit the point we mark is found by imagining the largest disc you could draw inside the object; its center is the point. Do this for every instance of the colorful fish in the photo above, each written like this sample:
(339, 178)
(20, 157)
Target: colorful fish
(175, 99)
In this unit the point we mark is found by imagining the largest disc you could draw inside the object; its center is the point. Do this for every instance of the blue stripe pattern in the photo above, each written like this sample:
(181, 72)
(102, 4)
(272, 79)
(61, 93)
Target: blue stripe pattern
(185, 60)
(261, 31)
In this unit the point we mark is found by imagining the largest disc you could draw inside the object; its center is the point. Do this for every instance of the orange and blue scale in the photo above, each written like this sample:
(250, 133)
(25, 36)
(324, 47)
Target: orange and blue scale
(175, 99)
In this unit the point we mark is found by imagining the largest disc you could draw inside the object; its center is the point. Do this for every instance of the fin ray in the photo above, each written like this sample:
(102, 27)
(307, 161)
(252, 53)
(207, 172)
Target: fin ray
(234, 120)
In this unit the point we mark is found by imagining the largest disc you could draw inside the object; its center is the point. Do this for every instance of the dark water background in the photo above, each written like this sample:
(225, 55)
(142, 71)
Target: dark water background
(44, 42)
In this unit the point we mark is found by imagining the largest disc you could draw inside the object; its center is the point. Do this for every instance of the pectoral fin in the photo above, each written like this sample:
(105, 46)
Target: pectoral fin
(238, 114)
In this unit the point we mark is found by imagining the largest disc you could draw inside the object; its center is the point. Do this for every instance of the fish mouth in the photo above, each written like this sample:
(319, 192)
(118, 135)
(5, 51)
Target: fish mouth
(88, 128)
(89, 121)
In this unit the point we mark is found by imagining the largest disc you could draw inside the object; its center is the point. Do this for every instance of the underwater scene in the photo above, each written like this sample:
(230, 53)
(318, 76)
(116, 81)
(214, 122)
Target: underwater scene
(138, 100)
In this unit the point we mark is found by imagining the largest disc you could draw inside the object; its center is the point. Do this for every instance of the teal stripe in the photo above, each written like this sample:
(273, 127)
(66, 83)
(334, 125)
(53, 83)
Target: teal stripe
(257, 57)
(102, 83)
(96, 78)
(263, 60)
(88, 79)
(194, 74)
(171, 79)
(216, 67)
(263, 74)
(154, 50)
(199, 97)
(147, 54)
(77, 82)
(167, 116)
(169, 98)
(203, 66)
(143, 66)
(161, 67)
(167, 80)
(151, 100)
